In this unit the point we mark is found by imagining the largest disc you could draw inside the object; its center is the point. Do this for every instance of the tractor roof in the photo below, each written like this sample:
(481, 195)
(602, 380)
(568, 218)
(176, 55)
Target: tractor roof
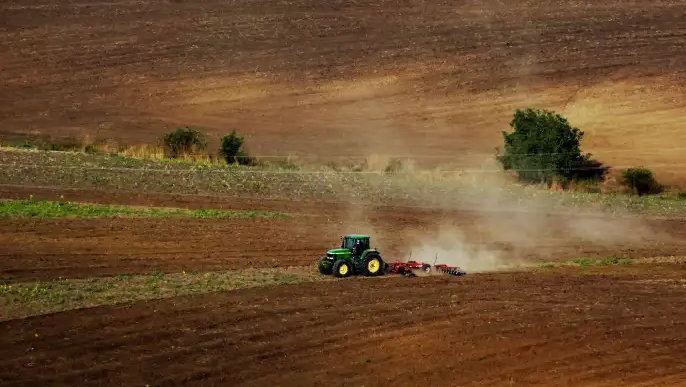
(358, 236)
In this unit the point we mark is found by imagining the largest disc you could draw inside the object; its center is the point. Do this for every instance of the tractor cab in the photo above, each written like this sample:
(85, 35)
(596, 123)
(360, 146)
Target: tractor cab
(351, 242)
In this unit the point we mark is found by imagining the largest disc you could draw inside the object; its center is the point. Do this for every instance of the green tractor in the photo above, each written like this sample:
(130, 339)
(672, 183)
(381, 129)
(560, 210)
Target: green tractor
(353, 257)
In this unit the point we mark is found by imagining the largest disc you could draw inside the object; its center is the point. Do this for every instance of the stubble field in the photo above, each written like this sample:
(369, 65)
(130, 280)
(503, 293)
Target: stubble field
(584, 290)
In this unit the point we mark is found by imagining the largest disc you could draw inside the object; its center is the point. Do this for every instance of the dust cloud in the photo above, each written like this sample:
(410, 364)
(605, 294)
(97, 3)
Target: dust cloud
(452, 248)
(501, 232)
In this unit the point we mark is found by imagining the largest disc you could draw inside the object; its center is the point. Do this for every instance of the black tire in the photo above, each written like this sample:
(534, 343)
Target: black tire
(379, 267)
(386, 269)
(338, 266)
(323, 269)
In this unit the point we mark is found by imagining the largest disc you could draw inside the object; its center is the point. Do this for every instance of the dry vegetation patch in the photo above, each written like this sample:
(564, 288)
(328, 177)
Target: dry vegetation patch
(24, 299)
(435, 188)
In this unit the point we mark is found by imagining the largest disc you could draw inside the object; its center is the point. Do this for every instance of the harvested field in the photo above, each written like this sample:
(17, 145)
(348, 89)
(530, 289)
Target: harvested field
(594, 328)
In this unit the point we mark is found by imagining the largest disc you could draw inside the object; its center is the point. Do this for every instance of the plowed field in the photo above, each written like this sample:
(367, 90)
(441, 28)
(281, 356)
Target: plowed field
(434, 81)
(582, 326)
(562, 329)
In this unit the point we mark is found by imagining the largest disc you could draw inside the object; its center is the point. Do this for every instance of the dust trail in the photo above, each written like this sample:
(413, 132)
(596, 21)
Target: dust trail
(451, 247)
(502, 231)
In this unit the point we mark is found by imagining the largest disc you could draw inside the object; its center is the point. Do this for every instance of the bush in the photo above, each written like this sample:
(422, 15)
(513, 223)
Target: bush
(184, 140)
(394, 165)
(544, 147)
(641, 181)
(232, 151)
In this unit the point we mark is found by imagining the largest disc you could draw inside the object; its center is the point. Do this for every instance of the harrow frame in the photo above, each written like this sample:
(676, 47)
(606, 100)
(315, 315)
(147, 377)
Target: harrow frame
(414, 268)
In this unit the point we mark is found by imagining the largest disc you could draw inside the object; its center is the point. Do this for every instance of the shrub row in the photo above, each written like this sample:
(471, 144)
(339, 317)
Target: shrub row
(542, 148)
(185, 141)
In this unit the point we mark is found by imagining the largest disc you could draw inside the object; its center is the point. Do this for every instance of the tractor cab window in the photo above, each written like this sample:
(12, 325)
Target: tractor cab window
(349, 243)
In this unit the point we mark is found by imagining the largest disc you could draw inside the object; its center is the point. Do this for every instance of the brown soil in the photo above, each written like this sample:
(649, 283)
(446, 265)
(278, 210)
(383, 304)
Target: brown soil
(488, 330)
(594, 326)
(436, 82)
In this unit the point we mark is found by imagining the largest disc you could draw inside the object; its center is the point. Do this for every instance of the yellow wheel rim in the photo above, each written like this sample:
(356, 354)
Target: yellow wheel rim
(343, 269)
(373, 266)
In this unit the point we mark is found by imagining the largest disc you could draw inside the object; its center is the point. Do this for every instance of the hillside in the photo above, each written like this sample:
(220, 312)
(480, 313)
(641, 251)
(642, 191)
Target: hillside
(436, 81)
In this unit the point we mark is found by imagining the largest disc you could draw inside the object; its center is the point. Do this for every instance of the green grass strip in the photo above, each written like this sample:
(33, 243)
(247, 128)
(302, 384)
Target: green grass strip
(55, 209)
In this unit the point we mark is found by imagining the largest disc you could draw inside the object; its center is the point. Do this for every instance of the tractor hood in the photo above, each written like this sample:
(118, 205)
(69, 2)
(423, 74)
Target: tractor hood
(338, 251)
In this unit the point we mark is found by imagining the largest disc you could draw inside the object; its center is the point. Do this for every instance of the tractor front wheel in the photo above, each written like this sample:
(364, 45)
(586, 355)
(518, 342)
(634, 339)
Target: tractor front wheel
(324, 268)
(373, 266)
(341, 269)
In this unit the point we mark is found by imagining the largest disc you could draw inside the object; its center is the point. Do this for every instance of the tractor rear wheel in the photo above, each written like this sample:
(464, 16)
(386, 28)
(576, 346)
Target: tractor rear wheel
(341, 268)
(373, 265)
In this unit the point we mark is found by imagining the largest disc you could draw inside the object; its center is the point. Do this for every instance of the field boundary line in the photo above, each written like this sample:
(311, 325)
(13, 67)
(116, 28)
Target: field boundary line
(223, 169)
(401, 155)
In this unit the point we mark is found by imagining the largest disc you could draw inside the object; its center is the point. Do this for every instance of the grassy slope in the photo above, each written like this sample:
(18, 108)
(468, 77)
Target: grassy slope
(431, 188)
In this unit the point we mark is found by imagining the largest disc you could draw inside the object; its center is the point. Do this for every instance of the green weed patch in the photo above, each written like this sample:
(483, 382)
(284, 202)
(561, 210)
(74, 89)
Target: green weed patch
(54, 209)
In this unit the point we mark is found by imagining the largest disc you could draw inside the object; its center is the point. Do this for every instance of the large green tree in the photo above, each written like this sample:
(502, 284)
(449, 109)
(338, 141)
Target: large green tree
(544, 147)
